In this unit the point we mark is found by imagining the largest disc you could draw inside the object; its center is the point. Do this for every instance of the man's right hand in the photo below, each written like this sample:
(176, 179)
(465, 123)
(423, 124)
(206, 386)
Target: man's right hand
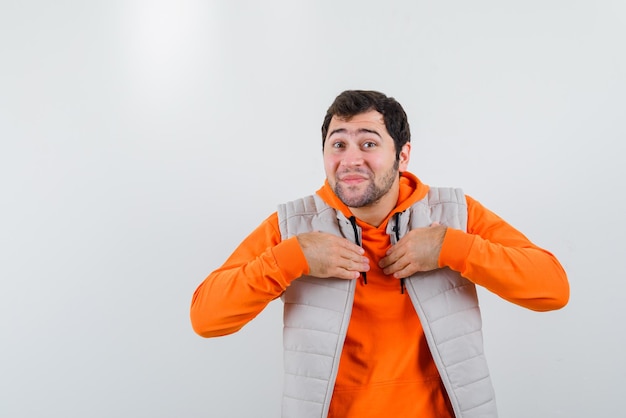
(331, 256)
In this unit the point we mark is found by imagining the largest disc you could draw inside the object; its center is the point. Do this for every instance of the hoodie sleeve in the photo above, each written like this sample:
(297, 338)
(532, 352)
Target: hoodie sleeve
(498, 257)
(256, 273)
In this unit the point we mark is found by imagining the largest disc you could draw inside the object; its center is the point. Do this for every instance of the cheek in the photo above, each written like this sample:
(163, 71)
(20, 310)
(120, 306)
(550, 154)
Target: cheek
(376, 163)
(330, 164)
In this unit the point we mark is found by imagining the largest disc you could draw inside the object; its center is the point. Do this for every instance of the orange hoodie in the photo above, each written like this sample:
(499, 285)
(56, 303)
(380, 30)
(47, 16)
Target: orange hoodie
(385, 368)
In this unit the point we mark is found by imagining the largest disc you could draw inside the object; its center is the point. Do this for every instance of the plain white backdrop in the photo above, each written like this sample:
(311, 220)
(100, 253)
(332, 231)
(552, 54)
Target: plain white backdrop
(141, 141)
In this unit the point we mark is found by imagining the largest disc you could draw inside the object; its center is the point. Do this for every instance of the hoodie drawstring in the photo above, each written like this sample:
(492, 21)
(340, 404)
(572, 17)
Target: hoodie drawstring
(358, 242)
(396, 229)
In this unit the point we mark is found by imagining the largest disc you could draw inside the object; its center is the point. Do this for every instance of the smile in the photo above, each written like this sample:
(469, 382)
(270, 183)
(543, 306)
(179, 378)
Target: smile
(352, 179)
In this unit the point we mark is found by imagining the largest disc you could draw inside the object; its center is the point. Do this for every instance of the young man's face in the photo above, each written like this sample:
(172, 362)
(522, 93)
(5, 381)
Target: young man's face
(360, 160)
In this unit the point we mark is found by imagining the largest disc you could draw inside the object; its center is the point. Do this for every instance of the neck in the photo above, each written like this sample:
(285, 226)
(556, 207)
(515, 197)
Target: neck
(375, 213)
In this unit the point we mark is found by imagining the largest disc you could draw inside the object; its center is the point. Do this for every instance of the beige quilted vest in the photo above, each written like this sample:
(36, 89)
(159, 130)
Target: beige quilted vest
(317, 313)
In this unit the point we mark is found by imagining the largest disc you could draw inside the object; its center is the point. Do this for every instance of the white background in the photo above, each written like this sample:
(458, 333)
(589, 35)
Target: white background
(133, 135)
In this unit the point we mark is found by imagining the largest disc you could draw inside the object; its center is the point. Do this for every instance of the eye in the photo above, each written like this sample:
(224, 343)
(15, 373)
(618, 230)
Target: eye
(369, 144)
(338, 144)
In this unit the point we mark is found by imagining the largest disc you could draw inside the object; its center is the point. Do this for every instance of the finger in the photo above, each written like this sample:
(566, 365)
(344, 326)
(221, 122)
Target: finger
(358, 264)
(397, 269)
(406, 271)
(340, 260)
(393, 255)
(385, 262)
(350, 246)
(346, 274)
(361, 265)
(350, 271)
(355, 258)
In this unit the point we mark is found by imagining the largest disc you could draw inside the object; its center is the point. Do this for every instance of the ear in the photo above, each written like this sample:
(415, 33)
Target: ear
(405, 154)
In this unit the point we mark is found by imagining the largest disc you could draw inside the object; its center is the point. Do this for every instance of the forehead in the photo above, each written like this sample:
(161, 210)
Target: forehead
(371, 120)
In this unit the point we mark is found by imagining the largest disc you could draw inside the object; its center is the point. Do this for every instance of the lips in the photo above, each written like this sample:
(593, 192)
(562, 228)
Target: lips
(352, 178)
(352, 175)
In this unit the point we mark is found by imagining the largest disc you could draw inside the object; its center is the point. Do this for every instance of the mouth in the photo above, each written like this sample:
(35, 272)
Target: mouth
(351, 178)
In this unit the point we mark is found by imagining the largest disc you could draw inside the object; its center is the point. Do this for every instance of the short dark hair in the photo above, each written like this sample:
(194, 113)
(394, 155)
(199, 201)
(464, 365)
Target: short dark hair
(353, 102)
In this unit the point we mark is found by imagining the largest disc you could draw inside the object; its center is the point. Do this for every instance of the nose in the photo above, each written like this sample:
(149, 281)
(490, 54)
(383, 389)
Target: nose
(352, 158)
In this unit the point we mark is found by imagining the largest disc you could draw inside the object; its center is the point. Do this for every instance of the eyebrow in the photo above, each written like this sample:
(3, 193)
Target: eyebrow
(360, 131)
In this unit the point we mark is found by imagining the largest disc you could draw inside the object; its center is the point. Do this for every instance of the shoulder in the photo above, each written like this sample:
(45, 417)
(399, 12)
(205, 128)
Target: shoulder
(443, 195)
(307, 205)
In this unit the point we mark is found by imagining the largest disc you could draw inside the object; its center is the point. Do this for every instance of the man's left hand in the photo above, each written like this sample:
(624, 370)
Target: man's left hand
(417, 251)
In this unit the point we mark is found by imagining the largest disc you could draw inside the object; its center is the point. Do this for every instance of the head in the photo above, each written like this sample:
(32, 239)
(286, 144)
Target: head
(362, 159)
(353, 102)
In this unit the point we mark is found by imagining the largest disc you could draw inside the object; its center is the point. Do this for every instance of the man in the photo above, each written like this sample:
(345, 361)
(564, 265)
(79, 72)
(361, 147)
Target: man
(377, 272)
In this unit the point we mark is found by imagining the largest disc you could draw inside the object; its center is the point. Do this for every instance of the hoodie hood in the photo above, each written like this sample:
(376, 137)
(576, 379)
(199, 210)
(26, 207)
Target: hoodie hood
(411, 191)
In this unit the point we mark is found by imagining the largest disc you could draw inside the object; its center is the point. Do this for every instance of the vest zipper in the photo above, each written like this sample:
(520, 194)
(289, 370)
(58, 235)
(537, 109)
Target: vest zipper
(358, 242)
(396, 229)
